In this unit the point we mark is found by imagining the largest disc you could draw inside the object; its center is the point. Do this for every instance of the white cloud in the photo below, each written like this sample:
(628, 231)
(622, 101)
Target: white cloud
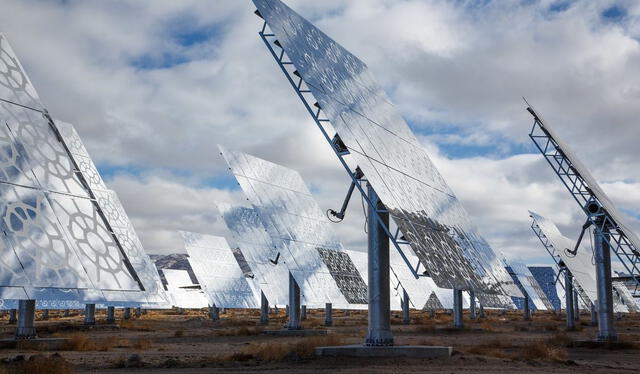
(456, 70)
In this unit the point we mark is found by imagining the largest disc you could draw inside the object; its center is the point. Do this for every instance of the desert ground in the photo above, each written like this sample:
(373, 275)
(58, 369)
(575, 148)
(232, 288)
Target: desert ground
(188, 342)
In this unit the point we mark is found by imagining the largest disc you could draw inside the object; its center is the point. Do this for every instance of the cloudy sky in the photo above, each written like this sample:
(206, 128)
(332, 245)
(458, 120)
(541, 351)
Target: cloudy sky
(153, 86)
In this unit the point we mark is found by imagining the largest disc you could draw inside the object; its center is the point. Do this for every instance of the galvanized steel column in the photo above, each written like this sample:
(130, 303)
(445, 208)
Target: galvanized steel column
(303, 313)
(568, 295)
(111, 314)
(12, 317)
(214, 312)
(294, 304)
(26, 320)
(458, 322)
(379, 333)
(90, 314)
(606, 329)
(328, 317)
(406, 318)
(576, 304)
(472, 305)
(264, 309)
(127, 313)
(527, 311)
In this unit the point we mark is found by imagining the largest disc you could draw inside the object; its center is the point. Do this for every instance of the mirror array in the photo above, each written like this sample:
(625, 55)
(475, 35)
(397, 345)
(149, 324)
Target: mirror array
(219, 274)
(302, 236)
(258, 249)
(580, 265)
(391, 157)
(58, 243)
(182, 291)
(522, 276)
(546, 278)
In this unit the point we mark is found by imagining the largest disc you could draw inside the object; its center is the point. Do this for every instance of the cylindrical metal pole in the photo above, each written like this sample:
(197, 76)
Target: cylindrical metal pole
(214, 312)
(26, 320)
(45, 314)
(111, 314)
(264, 309)
(527, 310)
(138, 312)
(286, 311)
(458, 322)
(12, 317)
(406, 318)
(472, 305)
(481, 310)
(576, 304)
(568, 295)
(303, 313)
(594, 315)
(127, 313)
(379, 333)
(66, 313)
(90, 314)
(606, 329)
(294, 304)
(328, 317)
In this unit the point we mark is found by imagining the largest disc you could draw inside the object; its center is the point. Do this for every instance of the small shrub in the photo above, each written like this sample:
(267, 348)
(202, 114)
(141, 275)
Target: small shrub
(543, 351)
(178, 333)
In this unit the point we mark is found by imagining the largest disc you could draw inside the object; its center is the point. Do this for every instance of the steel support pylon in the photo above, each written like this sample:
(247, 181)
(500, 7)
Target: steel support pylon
(90, 314)
(214, 312)
(127, 313)
(111, 314)
(264, 309)
(606, 329)
(576, 303)
(568, 296)
(379, 332)
(26, 320)
(526, 309)
(472, 305)
(303, 313)
(294, 304)
(328, 314)
(13, 319)
(406, 317)
(458, 321)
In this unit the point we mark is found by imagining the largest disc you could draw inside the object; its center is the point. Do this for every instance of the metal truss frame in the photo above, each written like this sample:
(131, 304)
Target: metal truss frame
(546, 243)
(305, 95)
(604, 223)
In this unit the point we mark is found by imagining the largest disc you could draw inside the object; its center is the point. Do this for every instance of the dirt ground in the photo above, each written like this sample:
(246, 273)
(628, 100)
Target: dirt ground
(168, 342)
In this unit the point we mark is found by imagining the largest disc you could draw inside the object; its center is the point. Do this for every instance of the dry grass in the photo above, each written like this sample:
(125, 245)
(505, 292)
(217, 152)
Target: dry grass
(560, 339)
(297, 350)
(543, 351)
(80, 343)
(54, 364)
(494, 348)
(239, 331)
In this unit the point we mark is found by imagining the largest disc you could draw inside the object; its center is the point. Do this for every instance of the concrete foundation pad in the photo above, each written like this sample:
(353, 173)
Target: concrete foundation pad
(415, 351)
(40, 344)
(295, 332)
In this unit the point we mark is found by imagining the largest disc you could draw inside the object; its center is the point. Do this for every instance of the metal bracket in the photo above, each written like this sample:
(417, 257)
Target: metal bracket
(340, 215)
